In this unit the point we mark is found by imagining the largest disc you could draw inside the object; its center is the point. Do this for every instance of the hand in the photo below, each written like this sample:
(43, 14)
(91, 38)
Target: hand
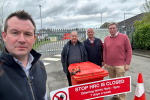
(105, 66)
(126, 67)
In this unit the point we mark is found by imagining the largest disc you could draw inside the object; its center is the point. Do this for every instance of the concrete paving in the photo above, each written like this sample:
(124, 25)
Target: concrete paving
(56, 79)
(142, 53)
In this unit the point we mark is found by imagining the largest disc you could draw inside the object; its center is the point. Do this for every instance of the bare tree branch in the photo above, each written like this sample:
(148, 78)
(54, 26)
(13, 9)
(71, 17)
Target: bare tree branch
(4, 11)
(145, 7)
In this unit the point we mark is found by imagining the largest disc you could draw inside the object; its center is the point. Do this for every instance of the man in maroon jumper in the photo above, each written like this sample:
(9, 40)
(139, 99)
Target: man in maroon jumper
(117, 55)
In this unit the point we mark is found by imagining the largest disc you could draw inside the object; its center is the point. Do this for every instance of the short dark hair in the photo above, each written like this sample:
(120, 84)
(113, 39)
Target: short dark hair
(21, 14)
(113, 23)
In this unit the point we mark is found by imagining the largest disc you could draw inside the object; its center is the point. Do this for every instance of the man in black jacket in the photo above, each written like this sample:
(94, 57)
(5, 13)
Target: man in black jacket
(94, 48)
(22, 74)
(73, 52)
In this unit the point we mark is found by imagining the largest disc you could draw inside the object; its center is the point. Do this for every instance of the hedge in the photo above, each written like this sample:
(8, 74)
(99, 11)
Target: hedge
(142, 36)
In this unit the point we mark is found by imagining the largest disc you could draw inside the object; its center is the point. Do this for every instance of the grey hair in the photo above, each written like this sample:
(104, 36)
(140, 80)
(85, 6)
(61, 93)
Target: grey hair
(113, 23)
(89, 28)
(72, 32)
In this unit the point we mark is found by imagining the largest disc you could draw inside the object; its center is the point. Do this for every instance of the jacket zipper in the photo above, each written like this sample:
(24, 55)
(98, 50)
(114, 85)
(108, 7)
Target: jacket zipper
(29, 82)
(82, 59)
(29, 85)
(93, 56)
(31, 88)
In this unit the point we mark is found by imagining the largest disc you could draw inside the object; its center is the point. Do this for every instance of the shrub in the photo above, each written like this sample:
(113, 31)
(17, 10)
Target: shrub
(142, 36)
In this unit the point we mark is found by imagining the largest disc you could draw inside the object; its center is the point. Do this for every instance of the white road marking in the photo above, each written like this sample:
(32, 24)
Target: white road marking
(46, 63)
(59, 55)
(51, 59)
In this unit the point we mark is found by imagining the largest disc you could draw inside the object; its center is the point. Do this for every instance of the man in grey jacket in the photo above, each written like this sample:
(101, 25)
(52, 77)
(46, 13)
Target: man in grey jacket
(73, 52)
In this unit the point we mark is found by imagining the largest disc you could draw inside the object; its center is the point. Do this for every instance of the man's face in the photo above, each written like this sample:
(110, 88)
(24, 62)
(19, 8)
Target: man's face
(90, 33)
(20, 37)
(112, 30)
(74, 37)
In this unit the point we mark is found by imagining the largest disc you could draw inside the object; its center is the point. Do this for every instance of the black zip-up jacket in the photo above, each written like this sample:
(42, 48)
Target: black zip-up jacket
(15, 85)
(95, 53)
(64, 55)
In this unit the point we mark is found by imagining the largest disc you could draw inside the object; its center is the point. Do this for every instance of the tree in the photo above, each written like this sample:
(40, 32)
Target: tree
(4, 11)
(142, 37)
(105, 25)
(142, 32)
(146, 7)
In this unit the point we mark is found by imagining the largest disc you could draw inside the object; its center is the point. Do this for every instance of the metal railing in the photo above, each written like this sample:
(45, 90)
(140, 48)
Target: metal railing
(52, 41)
(129, 31)
(1, 41)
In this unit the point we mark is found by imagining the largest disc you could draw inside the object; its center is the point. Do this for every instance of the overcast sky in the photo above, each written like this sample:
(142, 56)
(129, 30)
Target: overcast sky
(77, 13)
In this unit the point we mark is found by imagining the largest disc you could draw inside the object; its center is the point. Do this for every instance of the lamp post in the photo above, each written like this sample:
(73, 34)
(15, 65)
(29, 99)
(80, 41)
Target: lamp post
(101, 18)
(131, 32)
(40, 16)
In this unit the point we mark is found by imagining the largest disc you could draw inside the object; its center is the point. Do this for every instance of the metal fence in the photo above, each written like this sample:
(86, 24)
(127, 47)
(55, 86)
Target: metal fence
(50, 42)
(129, 31)
(1, 41)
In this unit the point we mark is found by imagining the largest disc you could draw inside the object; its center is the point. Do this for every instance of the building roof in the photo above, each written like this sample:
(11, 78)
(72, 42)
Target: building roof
(105, 25)
(130, 21)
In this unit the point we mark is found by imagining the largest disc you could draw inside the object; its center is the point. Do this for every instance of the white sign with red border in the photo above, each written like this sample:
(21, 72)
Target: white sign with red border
(93, 89)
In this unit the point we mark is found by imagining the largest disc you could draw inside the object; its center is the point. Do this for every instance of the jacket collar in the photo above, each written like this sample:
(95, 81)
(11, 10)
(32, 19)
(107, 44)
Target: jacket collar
(95, 39)
(77, 42)
(10, 60)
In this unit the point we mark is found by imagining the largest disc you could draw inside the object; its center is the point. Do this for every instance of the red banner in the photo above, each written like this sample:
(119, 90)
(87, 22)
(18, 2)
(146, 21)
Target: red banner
(67, 35)
(96, 89)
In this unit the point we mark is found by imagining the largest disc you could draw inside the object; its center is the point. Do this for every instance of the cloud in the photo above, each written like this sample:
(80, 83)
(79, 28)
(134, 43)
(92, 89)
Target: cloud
(76, 13)
(91, 8)
(54, 10)
(119, 1)
(122, 1)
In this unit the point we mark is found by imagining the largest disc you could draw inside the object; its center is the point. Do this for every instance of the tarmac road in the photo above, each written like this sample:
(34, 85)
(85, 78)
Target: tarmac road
(56, 79)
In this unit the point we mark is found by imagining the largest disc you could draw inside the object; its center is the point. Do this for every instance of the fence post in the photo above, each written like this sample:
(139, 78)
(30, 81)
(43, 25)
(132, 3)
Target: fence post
(1, 41)
(132, 31)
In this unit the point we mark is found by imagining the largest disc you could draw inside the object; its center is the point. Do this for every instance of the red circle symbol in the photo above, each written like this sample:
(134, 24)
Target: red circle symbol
(56, 96)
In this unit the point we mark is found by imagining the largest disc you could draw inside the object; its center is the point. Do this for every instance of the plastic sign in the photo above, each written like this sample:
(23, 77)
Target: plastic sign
(67, 36)
(93, 90)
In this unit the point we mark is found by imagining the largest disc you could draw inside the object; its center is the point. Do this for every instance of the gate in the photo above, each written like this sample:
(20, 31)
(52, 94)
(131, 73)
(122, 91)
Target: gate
(50, 42)
(1, 41)
(129, 31)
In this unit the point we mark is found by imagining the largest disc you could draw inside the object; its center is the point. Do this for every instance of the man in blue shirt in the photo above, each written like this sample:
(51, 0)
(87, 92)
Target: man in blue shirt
(22, 74)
